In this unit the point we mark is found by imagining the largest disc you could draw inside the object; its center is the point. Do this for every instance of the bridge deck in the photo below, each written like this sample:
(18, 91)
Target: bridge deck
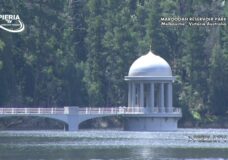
(73, 116)
(83, 111)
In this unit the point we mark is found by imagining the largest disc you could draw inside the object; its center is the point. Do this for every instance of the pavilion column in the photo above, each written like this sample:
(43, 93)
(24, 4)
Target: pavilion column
(170, 97)
(162, 96)
(152, 96)
(141, 99)
(129, 94)
(133, 98)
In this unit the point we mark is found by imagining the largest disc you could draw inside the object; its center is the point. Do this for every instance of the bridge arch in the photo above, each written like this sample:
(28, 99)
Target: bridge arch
(96, 118)
(59, 120)
(71, 122)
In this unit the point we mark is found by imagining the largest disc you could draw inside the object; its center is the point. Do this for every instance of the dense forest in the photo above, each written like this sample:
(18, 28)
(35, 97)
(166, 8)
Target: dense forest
(77, 52)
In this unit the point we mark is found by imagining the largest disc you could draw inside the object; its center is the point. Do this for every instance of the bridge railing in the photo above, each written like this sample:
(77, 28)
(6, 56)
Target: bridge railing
(128, 110)
(112, 110)
(89, 110)
(166, 110)
(31, 110)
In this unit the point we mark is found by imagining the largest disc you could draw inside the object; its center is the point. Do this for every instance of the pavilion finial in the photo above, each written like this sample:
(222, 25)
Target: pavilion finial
(150, 48)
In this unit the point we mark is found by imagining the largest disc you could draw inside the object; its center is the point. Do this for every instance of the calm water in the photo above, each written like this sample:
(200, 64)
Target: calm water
(113, 145)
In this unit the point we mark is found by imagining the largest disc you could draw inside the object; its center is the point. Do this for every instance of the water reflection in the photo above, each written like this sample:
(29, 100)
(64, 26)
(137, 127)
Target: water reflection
(110, 145)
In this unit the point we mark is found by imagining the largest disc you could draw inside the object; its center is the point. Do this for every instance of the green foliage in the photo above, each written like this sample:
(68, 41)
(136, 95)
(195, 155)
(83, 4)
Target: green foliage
(196, 115)
(2, 45)
(78, 52)
(218, 81)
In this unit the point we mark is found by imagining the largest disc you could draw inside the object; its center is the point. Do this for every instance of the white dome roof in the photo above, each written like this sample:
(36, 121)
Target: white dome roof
(150, 65)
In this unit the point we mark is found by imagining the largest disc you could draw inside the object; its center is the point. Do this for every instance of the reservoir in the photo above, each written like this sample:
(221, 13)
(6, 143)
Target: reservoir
(183, 144)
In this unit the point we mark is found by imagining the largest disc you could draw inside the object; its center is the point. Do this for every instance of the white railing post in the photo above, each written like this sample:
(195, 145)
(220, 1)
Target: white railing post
(38, 110)
(52, 110)
(66, 110)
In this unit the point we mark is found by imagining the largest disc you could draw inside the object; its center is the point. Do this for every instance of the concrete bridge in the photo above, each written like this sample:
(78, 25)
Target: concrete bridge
(73, 116)
(150, 101)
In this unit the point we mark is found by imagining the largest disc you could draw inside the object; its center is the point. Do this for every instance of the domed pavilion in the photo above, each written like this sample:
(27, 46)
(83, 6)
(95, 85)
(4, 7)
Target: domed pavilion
(150, 91)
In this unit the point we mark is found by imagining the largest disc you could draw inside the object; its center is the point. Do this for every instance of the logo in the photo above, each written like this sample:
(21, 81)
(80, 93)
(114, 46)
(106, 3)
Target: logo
(11, 23)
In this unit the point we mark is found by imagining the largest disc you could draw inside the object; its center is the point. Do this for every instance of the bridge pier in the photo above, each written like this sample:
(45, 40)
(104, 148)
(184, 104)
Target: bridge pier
(72, 127)
(73, 123)
(72, 118)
